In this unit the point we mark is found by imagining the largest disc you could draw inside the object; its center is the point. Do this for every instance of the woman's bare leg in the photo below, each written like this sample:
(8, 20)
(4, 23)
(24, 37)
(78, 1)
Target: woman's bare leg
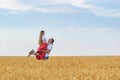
(36, 54)
(32, 52)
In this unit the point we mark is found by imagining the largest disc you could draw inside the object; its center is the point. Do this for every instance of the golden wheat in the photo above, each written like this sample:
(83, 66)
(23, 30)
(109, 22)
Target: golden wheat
(60, 68)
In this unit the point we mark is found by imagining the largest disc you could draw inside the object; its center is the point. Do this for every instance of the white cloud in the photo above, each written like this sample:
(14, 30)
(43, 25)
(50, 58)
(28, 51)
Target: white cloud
(97, 10)
(13, 5)
(47, 6)
(82, 29)
(57, 6)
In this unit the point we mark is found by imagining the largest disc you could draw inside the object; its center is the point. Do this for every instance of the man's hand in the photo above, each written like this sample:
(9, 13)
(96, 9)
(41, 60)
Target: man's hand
(46, 51)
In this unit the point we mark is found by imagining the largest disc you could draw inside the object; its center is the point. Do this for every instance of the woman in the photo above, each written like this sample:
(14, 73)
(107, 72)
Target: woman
(42, 46)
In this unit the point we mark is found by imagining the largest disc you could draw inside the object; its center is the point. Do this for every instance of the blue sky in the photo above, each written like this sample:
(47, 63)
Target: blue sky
(80, 27)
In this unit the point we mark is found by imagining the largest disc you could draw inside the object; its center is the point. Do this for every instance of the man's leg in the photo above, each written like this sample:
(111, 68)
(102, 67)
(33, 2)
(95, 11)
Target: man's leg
(46, 58)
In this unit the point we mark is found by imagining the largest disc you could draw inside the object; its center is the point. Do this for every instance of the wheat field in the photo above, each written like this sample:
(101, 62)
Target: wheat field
(60, 68)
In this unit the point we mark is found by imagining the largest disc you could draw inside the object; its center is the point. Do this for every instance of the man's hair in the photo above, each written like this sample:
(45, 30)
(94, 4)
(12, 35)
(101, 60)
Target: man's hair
(52, 40)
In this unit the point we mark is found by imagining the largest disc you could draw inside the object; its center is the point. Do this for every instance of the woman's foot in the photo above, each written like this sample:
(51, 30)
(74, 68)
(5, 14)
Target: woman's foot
(30, 53)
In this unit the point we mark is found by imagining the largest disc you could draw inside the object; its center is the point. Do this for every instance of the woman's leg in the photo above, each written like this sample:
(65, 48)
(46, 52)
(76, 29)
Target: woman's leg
(39, 55)
(32, 52)
(36, 54)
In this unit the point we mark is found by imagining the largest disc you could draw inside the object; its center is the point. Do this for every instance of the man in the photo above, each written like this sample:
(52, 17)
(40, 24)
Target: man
(49, 48)
(46, 55)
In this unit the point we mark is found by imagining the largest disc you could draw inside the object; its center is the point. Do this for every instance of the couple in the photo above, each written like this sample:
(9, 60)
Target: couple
(44, 47)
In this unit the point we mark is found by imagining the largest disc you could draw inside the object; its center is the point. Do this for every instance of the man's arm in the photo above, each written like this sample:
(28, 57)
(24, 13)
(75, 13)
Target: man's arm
(46, 51)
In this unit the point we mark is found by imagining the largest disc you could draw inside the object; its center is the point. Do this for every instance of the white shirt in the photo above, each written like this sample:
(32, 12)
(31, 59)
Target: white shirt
(44, 39)
(49, 47)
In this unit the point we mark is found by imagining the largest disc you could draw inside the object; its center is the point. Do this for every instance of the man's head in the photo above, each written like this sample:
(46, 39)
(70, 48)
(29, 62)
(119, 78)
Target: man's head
(51, 40)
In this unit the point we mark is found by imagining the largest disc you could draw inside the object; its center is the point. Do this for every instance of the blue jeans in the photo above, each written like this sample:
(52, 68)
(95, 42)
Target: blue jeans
(46, 58)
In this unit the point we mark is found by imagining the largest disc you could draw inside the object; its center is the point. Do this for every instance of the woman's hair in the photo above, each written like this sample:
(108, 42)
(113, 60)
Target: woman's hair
(40, 37)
